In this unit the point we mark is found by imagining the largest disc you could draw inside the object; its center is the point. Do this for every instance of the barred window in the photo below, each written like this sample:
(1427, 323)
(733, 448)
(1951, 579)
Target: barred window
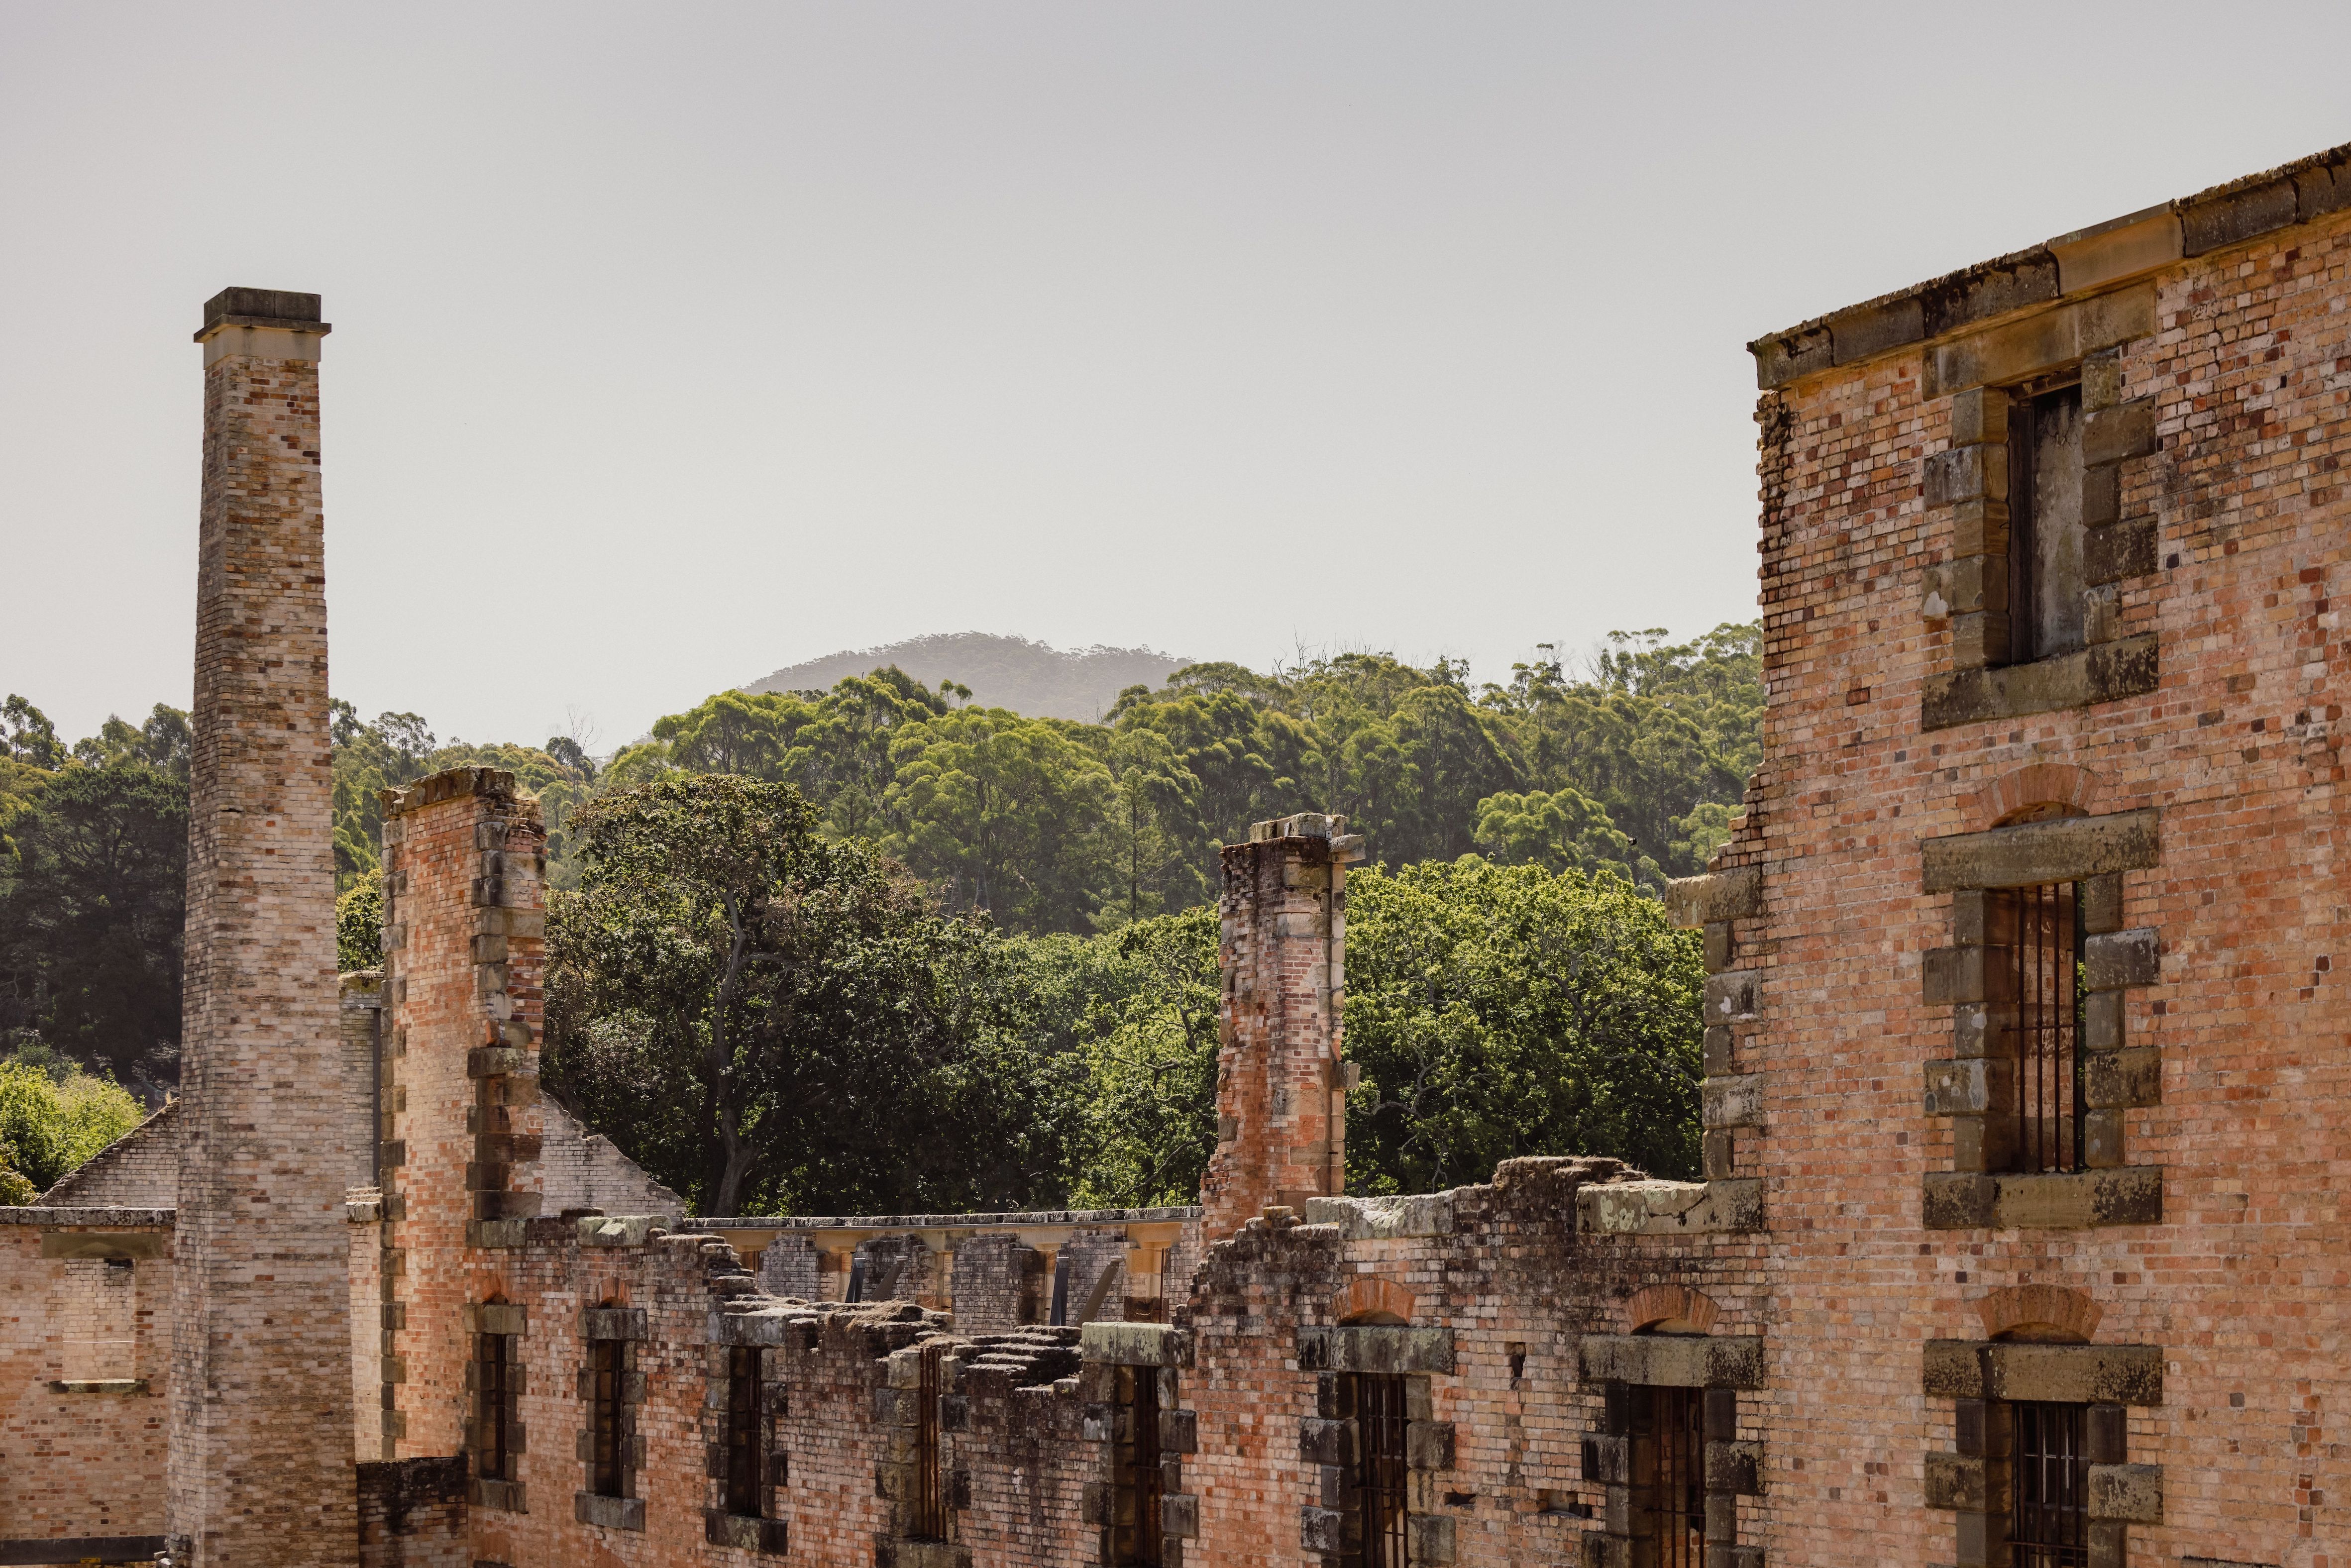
(1380, 1421)
(606, 1362)
(930, 1521)
(1136, 1534)
(2050, 1521)
(493, 1392)
(1677, 1419)
(2047, 963)
(744, 1450)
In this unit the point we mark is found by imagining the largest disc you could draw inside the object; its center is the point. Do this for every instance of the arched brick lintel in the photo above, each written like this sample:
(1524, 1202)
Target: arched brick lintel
(2039, 1307)
(1369, 1297)
(2038, 784)
(1677, 1305)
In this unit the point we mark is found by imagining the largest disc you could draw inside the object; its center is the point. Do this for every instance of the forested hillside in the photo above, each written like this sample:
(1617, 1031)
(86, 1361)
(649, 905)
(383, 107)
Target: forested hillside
(1633, 764)
(999, 671)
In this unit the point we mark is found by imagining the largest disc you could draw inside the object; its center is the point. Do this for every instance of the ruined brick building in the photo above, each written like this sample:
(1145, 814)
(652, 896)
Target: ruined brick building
(2020, 1242)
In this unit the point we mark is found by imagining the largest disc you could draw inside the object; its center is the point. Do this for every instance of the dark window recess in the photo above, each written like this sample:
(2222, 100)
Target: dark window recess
(2051, 1523)
(930, 1520)
(1678, 1416)
(1135, 1535)
(1060, 1313)
(856, 1292)
(492, 1397)
(2047, 922)
(604, 1367)
(744, 1447)
(1380, 1417)
(2045, 525)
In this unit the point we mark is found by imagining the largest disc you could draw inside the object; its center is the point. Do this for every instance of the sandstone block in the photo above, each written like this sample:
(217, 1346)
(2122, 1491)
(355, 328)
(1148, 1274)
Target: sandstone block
(2066, 849)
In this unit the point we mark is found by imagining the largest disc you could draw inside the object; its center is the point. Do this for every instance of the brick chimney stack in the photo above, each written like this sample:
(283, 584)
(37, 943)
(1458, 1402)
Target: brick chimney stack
(465, 869)
(1282, 1115)
(261, 1390)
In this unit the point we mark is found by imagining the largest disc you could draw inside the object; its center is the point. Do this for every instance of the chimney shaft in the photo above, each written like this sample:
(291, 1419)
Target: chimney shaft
(261, 1390)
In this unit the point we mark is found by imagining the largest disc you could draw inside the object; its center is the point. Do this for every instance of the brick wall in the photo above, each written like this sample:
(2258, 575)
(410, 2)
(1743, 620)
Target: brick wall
(84, 1461)
(2233, 370)
(139, 1170)
(580, 1170)
(260, 1264)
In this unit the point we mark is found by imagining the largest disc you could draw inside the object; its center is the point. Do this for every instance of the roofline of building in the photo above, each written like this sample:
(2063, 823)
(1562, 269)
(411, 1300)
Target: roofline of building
(2071, 264)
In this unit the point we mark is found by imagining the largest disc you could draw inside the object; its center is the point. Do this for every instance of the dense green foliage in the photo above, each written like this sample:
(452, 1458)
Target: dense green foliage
(1505, 1010)
(878, 948)
(771, 1020)
(93, 871)
(768, 1017)
(52, 1116)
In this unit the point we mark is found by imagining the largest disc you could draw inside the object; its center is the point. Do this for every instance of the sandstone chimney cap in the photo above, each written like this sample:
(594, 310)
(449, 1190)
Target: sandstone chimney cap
(281, 308)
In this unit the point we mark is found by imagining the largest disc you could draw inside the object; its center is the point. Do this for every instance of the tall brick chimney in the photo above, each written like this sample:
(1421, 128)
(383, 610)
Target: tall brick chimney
(1281, 1122)
(261, 1388)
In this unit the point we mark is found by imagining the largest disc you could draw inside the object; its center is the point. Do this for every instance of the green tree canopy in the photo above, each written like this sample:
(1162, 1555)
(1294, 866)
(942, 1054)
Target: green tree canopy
(92, 917)
(54, 1116)
(768, 1020)
(1507, 1011)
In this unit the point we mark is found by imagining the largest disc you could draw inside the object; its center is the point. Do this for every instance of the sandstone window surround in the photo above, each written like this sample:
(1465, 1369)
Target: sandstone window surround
(1989, 1384)
(2029, 496)
(1341, 1438)
(1979, 1086)
(1644, 1378)
(1731, 1103)
(1131, 1379)
(748, 1344)
(611, 1391)
(496, 1381)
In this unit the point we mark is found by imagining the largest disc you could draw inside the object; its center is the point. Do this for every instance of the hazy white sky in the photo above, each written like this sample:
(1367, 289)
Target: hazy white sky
(675, 343)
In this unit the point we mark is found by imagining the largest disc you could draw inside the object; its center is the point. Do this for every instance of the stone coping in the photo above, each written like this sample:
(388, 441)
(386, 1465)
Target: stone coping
(107, 1216)
(2065, 266)
(943, 1221)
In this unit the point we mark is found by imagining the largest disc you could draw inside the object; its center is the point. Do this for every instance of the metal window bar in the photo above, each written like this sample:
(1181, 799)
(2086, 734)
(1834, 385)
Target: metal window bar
(1379, 1426)
(2049, 1027)
(492, 1356)
(1677, 1415)
(1144, 1481)
(2049, 1525)
(605, 1416)
(743, 1445)
(930, 1520)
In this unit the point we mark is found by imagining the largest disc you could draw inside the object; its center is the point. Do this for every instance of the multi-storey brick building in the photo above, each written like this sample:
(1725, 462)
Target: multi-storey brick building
(2018, 1243)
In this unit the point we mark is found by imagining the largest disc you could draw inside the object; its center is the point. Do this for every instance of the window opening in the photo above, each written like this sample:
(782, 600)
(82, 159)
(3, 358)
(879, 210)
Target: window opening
(742, 1432)
(2049, 1524)
(604, 1418)
(493, 1385)
(856, 1292)
(2048, 1111)
(1059, 1313)
(2045, 525)
(930, 1522)
(1678, 1416)
(1379, 1417)
(1139, 1470)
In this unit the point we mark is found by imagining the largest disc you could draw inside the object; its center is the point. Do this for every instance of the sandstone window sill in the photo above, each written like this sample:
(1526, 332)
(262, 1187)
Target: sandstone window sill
(99, 1385)
(612, 1512)
(744, 1532)
(2070, 1200)
(2105, 672)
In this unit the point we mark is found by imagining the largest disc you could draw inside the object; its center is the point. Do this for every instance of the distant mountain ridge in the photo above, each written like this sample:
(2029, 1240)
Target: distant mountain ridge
(1031, 678)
